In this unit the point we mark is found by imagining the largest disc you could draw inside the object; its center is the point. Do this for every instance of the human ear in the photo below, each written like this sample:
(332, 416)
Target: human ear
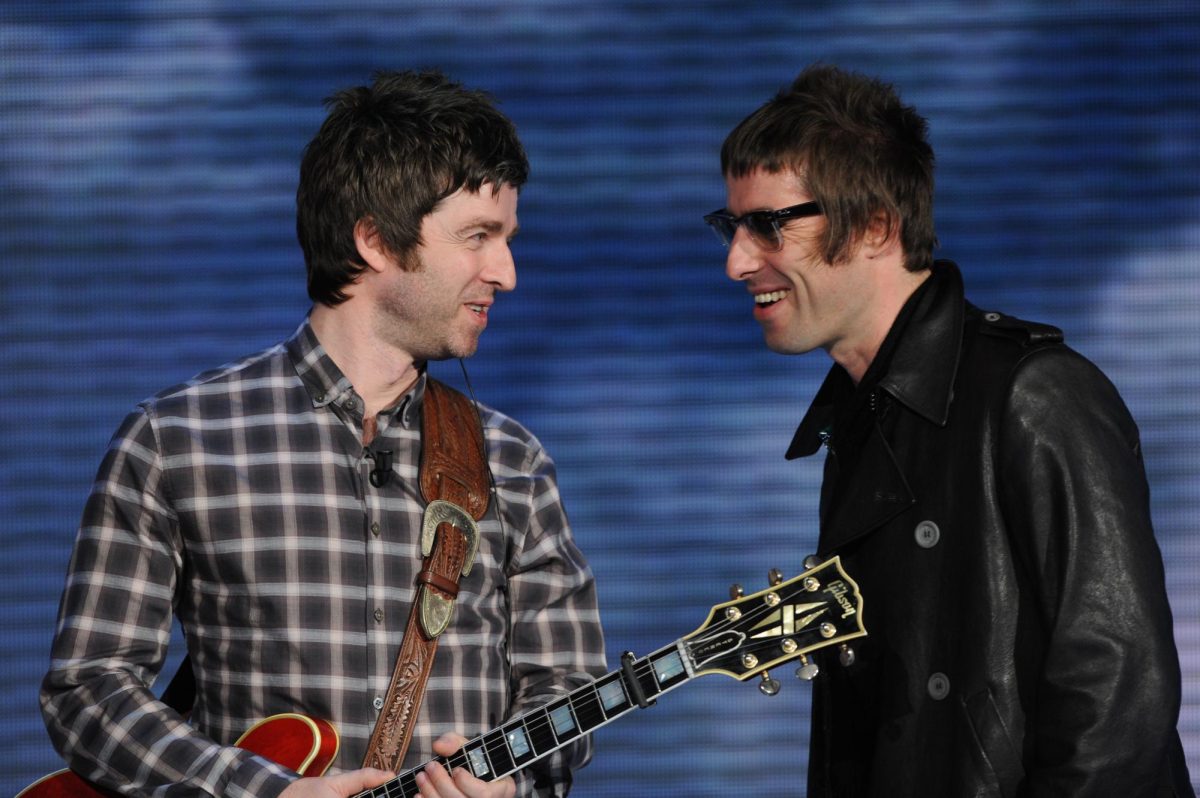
(882, 234)
(369, 244)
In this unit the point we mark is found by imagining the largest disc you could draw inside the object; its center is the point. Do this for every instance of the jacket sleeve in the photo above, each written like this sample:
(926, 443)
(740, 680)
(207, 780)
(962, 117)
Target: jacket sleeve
(113, 629)
(556, 642)
(1074, 492)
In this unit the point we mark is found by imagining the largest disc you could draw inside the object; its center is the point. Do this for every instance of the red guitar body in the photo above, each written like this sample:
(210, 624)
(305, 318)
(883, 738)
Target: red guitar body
(304, 744)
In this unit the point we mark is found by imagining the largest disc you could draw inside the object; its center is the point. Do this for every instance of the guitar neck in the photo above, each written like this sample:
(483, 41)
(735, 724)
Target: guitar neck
(741, 638)
(542, 731)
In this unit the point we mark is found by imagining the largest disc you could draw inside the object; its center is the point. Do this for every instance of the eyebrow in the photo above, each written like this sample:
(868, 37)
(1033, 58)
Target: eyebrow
(489, 225)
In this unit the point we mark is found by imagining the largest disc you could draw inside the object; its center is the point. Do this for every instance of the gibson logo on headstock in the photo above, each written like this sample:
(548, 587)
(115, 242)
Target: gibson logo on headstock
(838, 589)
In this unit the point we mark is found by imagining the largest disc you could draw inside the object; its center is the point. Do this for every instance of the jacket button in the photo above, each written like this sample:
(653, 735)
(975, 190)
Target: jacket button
(938, 686)
(927, 534)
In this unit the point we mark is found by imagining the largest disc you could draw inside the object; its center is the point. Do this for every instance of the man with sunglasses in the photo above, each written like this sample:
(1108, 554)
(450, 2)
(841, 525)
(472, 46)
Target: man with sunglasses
(983, 482)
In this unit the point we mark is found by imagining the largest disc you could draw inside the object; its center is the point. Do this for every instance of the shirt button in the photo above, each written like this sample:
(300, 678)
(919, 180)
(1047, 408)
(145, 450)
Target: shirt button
(927, 534)
(378, 615)
(375, 529)
(938, 686)
(377, 703)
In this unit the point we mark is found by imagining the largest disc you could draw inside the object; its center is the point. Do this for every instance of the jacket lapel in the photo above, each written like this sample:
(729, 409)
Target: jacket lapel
(872, 492)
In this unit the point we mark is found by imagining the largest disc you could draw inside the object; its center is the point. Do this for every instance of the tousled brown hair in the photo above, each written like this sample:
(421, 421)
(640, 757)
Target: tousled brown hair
(390, 152)
(858, 150)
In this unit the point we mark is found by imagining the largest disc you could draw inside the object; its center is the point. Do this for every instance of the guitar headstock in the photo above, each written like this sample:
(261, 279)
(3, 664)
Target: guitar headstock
(747, 635)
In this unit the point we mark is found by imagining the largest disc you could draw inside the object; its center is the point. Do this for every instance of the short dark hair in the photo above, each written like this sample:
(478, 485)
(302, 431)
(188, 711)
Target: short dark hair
(857, 148)
(391, 152)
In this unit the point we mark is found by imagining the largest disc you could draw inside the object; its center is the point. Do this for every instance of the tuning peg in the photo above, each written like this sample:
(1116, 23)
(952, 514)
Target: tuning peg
(775, 577)
(811, 561)
(735, 591)
(768, 686)
(807, 670)
(846, 655)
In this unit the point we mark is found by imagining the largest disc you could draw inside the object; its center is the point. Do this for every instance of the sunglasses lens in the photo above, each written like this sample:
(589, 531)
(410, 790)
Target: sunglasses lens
(763, 228)
(722, 226)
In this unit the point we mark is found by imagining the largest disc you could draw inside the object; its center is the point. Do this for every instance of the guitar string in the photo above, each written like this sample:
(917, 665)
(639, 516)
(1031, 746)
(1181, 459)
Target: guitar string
(540, 720)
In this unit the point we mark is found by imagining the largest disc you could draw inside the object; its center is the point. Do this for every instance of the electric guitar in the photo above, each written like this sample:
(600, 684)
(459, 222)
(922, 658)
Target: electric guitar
(741, 638)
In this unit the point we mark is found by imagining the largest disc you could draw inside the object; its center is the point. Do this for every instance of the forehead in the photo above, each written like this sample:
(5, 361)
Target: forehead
(487, 204)
(762, 190)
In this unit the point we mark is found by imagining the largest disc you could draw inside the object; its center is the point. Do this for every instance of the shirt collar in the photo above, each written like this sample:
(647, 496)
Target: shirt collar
(326, 384)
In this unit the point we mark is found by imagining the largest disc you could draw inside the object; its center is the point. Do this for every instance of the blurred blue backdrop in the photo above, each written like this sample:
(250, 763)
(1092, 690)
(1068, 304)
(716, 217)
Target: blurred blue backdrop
(148, 160)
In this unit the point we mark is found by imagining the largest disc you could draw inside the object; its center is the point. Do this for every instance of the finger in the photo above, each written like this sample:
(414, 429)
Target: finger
(448, 743)
(358, 780)
(434, 782)
(474, 788)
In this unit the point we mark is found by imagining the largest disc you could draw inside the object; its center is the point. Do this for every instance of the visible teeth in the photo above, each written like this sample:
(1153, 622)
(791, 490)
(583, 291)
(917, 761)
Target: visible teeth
(766, 299)
(476, 308)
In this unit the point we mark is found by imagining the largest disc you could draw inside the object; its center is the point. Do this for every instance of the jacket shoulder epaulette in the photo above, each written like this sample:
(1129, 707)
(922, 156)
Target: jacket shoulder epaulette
(1026, 333)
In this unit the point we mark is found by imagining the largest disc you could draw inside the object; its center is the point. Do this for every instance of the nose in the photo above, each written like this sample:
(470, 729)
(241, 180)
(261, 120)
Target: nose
(501, 270)
(742, 259)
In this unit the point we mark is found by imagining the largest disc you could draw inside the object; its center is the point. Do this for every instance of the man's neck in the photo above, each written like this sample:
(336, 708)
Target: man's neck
(894, 295)
(380, 374)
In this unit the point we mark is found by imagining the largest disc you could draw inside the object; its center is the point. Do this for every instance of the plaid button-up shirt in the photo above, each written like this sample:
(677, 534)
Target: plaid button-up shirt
(240, 502)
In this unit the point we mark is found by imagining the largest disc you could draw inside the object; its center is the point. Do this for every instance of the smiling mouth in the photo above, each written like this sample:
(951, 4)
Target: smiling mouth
(768, 299)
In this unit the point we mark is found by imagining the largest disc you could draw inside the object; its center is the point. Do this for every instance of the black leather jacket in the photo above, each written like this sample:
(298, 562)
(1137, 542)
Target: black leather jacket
(985, 489)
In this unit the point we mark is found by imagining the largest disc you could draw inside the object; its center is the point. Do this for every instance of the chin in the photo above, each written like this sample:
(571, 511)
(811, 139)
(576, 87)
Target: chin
(464, 349)
(789, 347)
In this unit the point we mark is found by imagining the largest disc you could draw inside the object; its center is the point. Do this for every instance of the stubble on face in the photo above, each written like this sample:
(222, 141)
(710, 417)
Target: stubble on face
(432, 303)
(415, 314)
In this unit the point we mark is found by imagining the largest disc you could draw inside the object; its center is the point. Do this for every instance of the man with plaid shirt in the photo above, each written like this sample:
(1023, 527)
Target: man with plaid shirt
(242, 502)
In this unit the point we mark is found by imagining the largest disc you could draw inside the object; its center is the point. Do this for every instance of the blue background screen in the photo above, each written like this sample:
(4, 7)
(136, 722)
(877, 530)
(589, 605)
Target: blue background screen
(148, 163)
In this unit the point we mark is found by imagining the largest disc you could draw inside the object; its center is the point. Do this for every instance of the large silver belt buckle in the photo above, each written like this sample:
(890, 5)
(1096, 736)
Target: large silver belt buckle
(436, 611)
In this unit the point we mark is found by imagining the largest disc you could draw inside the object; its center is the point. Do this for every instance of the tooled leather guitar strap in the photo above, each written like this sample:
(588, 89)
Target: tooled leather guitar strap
(454, 483)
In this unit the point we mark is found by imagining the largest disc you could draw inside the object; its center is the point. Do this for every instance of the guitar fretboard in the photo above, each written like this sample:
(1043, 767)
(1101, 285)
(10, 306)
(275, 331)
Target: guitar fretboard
(542, 731)
(740, 638)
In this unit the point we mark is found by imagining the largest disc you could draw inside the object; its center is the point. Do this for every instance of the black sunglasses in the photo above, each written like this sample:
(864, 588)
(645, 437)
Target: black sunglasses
(765, 227)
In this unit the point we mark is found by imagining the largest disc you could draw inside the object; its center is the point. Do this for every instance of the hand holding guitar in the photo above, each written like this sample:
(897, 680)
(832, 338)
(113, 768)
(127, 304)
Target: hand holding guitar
(343, 785)
(436, 782)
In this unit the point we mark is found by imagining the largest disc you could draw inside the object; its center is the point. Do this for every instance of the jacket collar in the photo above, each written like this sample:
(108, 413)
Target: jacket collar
(923, 366)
